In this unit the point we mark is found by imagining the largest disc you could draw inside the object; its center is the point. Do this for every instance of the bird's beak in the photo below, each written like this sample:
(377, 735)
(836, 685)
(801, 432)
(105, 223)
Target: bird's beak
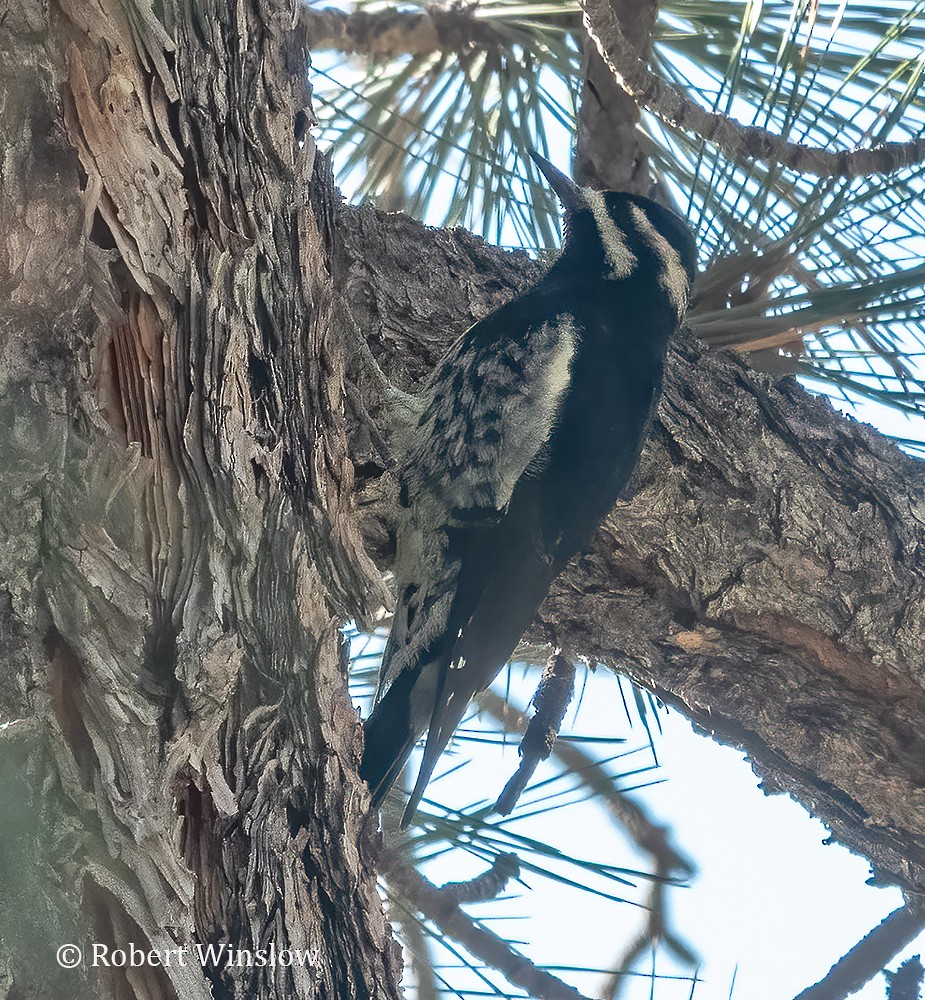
(568, 192)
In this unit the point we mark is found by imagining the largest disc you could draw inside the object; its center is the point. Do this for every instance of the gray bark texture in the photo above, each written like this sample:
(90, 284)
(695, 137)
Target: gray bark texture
(608, 153)
(178, 752)
(180, 293)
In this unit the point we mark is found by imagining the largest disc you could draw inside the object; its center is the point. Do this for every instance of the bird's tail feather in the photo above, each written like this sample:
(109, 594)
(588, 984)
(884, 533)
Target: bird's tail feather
(389, 738)
(447, 716)
(432, 748)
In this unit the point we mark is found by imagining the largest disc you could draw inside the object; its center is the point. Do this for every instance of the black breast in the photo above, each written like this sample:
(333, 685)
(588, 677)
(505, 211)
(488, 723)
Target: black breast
(615, 377)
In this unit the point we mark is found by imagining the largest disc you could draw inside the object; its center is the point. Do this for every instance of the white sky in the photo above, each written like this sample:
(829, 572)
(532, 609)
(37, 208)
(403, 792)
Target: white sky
(771, 906)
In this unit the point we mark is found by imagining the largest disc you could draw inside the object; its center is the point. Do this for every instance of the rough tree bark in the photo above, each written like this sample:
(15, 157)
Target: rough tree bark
(178, 750)
(178, 546)
(608, 153)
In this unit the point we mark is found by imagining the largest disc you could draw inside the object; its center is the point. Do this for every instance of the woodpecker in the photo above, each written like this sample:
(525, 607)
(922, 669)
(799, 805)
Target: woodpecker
(530, 429)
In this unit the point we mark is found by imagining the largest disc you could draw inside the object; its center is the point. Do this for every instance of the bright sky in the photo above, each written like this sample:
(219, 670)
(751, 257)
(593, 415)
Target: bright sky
(771, 906)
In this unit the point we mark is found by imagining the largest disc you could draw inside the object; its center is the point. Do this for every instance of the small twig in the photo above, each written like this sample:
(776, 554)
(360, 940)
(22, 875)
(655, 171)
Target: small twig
(906, 982)
(485, 886)
(869, 955)
(735, 139)
(648, 836)
(551, 701)
(476, 939)
(655, 931)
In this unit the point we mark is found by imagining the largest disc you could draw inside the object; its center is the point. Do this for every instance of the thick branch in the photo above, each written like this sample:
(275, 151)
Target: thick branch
(608, 154)
(390, 33)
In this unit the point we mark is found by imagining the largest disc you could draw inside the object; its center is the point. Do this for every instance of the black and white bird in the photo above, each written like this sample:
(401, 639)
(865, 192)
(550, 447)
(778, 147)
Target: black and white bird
(531, 427)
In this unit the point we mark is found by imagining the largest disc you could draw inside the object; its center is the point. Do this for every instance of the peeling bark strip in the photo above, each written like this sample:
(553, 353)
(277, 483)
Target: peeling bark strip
(178, 541)
(768, 575)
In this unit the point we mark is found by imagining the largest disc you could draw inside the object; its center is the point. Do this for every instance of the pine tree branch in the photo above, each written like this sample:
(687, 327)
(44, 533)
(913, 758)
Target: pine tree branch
(648, 836)
(608, 154)
(444, 911)
(735, 139)
(869, 955)
(488, 885)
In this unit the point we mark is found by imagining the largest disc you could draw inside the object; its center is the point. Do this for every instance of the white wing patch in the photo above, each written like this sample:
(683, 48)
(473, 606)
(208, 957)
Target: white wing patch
(491, 408)
(530, 417)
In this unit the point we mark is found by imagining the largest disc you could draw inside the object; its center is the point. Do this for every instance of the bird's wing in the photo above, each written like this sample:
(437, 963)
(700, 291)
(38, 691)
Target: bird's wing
(492, 404)
(489, 617)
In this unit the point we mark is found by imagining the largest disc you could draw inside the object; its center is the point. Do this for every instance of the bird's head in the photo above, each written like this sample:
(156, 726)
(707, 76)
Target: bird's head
(615, 235)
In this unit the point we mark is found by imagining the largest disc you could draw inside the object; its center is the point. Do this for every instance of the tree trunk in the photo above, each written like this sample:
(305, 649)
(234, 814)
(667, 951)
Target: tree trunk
(177, 749)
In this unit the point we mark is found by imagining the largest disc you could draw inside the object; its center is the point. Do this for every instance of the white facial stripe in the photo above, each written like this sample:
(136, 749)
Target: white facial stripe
(671, 274)
(675, 281)
(622, 260)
